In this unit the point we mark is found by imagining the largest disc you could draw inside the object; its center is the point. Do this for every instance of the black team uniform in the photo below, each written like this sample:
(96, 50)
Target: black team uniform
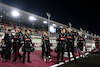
(3, 50)
(70, 45)
(42, 54)
(8, 41)
(27, 47)
(46, 47)
(18, 40)
(97, 42)
(60, 46)
(80, 43)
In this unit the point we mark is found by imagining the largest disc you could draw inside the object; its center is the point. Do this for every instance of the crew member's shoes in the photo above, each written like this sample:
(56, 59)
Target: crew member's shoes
(29, 61)
(57, 63)
(50, 59)
(44, 59)
(69, 61)
(62, 61)
(1, 58)
(13, 61)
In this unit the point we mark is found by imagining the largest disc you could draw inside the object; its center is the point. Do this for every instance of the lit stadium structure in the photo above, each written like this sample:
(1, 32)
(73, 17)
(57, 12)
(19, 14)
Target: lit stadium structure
(19, 17)
(12, 14)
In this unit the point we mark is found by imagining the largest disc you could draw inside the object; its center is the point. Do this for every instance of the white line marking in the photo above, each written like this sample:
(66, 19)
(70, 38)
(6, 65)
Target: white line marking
(61, 63)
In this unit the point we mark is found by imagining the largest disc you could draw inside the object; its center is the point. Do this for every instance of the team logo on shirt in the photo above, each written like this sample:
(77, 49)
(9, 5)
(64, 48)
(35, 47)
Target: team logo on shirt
(80, 38)
(26, 39)
(62, 38)
(46, 39)
(16, 37)
(70, 37)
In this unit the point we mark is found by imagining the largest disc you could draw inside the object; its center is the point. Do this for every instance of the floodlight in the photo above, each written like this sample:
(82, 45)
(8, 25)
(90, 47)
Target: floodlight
(15, 13)
(1, 16)
(45, 22)
(32, 18)
(54, 24)
(61, 26)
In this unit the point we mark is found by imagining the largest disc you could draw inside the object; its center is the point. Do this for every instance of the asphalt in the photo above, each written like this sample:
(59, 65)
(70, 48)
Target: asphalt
(93, 60)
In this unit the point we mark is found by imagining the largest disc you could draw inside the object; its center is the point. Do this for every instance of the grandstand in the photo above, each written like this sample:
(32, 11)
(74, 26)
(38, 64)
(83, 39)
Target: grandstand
(11, 17)
(29, 20)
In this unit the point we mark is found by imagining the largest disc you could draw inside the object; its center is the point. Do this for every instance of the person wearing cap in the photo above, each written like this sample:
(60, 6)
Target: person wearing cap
(8, 41)
(61, 45)
(18, 41)
(70, 43)
(27, 46)
(46, 47)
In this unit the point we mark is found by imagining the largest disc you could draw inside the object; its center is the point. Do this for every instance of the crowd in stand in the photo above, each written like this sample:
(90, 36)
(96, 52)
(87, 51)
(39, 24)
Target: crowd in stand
(12, 26)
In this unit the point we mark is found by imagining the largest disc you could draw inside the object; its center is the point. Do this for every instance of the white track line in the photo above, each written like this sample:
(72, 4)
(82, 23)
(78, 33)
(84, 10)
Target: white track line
(61, 63)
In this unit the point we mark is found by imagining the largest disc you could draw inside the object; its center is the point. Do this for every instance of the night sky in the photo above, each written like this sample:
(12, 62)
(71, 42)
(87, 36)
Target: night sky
(85, 14)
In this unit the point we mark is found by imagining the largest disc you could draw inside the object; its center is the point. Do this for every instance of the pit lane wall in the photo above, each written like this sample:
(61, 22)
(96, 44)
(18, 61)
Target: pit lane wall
(37, 42)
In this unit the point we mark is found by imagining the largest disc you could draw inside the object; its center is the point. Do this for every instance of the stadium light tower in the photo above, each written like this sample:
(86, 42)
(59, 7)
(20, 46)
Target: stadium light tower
(92, 35)
(81, 29)
(70, 25)
(48, 15)
(88, 34)
(95, 35)
(15, 13)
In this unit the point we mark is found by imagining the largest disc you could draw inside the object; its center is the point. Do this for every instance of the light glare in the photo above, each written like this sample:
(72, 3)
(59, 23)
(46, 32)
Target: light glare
(44, 22)
(15, 13)
(32, 18)
(54, 24)
(61, 26)
(1, 16)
